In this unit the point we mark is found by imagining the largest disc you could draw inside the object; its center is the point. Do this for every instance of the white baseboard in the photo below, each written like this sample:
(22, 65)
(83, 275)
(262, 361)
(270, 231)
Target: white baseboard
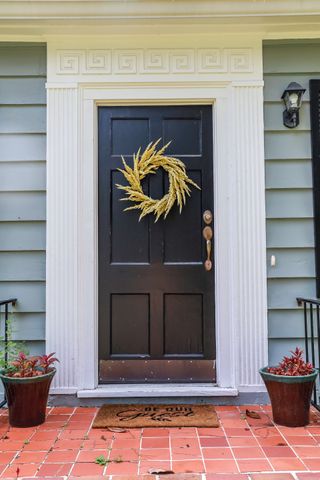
(63, 390)
(252, 388)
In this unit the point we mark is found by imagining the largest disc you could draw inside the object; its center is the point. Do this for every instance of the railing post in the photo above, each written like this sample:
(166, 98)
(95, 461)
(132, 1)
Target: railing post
(6, 316)
(6, 304)
(306, 330)
(312, 305)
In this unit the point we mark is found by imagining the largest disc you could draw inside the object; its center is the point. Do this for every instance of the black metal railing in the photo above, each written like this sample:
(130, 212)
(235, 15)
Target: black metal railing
(4, 310)
(311, 316)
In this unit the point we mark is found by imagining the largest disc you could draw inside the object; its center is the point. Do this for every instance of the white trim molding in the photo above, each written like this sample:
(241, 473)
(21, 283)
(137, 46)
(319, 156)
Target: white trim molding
(42, 20)
(22, 10)
(154, 61)
(249, 254)
(119, 59)
(79, 81)
(62, 328)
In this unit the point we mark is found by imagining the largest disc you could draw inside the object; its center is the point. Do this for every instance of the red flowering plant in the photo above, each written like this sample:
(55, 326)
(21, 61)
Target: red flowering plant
(45, 362)
(24, 366)
(293, 366)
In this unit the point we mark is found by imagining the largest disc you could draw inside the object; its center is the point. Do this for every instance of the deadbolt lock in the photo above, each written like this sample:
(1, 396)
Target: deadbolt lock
(207, 217)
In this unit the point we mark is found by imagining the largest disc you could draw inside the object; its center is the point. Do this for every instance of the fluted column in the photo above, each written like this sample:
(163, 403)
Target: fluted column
(61, 288)
(249, 260)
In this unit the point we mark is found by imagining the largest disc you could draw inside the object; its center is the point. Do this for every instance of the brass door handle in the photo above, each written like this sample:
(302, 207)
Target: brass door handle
(207, 235)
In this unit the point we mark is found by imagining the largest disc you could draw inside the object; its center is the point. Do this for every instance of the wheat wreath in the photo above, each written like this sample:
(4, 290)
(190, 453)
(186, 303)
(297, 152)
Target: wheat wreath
(149, 162)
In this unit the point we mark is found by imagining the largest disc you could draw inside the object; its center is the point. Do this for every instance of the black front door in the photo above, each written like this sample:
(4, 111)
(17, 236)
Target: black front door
(156, 299)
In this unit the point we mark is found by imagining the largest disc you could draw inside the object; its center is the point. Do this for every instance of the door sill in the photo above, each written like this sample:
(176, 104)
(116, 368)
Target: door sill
(158, 390)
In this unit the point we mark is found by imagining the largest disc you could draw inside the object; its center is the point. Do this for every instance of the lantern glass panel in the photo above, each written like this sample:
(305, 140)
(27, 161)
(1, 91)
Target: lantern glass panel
(294, 100)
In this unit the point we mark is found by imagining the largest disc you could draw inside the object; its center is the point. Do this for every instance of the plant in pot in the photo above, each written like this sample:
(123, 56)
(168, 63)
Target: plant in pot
(290, 386)
(26, 382)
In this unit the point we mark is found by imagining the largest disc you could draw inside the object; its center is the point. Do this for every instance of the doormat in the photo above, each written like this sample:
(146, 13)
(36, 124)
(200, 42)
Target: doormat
(137, 416)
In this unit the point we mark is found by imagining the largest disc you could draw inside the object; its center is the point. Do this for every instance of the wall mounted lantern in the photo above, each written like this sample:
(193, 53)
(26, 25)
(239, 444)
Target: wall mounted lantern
(292, 98)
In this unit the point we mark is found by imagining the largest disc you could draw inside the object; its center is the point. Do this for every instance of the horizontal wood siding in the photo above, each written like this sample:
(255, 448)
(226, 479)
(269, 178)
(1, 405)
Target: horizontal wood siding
(23, 187)
(289, 202)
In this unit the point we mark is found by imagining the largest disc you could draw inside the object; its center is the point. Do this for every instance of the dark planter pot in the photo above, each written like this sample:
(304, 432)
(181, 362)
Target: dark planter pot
(290, 397)
(27, 399)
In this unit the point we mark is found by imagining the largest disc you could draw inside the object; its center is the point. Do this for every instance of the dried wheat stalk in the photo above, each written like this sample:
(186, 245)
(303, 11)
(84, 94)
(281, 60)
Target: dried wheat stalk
(149, 162)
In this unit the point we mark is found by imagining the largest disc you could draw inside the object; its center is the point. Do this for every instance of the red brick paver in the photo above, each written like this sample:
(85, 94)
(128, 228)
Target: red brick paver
(242, 448)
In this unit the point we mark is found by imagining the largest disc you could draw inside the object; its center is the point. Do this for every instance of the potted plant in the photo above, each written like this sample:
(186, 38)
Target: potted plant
(26, 382)
(290, 386)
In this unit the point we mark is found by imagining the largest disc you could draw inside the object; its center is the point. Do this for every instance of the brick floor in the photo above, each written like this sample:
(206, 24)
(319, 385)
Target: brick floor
(242, 448)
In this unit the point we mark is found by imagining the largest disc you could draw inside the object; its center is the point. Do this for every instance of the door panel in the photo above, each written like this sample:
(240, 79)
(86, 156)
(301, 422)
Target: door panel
(181, 231)
(183, 327)
(124, 340)
(156, 300)
(136, 250)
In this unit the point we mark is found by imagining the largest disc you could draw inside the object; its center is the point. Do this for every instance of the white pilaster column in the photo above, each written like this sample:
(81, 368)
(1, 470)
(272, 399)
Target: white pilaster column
(249, 261)
(61, 288)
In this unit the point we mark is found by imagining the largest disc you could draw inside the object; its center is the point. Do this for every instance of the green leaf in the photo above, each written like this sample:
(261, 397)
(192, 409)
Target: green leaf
(101, 460)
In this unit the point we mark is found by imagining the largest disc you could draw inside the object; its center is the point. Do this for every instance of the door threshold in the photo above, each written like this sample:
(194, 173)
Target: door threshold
(158, 390)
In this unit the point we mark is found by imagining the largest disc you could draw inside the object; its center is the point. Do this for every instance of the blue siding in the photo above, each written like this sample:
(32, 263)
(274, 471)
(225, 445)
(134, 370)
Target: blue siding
(23, 187)
(289, 203)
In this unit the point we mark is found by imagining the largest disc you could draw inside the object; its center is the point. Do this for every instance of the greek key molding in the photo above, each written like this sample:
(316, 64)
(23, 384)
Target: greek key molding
(154, 61)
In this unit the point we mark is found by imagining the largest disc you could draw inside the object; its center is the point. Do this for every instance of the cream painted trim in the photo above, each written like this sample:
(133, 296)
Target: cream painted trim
(83, 259)
(84, 73)
(249, 259)
(92, 97)
(110, 60)
(148, 61)
(63, 390)
(252, 388)
(54, 20)
(62, 327)
(95, 9)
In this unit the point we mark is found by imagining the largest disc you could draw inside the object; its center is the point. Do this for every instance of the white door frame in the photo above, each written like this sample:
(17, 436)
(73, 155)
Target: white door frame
(231, 222)
(92, 98)
(79, 80)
